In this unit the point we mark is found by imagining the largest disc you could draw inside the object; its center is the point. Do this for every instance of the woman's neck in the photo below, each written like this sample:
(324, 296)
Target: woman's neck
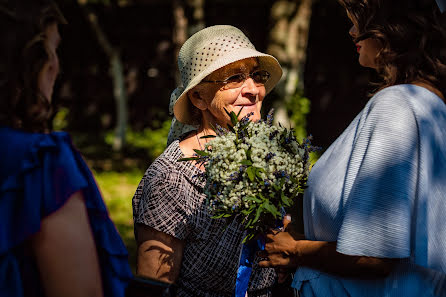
(194, 140)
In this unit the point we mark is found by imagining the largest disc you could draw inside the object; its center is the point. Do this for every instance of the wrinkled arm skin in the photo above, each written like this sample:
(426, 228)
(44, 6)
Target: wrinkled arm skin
(159, 254)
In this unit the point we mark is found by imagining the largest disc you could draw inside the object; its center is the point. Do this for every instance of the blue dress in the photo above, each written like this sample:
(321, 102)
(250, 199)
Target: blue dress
(380, 191)
(38, 173)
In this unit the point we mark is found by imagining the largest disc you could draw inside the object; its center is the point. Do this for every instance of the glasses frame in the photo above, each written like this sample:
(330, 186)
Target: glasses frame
(245, 77)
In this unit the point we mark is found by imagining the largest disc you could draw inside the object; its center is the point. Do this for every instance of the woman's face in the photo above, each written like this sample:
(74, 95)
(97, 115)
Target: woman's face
(50, 70)
(248, 96)
(368, 49)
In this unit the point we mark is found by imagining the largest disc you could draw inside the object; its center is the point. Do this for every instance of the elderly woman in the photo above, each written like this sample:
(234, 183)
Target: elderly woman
(375, 203)
(178, 241)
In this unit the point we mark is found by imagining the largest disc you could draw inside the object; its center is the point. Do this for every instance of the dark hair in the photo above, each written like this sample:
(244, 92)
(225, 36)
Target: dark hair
(413, 38)
(22, 56)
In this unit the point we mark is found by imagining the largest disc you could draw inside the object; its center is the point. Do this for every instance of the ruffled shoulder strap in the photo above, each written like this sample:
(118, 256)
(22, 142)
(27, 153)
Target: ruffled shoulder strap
(49, 173)
(47, 176)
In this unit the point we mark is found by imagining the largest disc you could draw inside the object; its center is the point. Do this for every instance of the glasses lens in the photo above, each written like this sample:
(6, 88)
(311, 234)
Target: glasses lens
(260, 77)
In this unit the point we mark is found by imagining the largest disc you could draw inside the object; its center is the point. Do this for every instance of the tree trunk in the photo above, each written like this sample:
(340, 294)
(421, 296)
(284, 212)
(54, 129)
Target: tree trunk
(197, 16)
(117, 75)
(179, 34)
(288, 41)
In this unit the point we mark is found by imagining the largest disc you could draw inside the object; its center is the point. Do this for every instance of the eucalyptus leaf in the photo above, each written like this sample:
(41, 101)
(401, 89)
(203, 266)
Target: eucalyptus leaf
(201, 153)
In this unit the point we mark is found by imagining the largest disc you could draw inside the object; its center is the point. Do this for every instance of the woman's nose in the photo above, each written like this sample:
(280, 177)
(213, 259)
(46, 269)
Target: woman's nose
(353, 31)
(249, 87)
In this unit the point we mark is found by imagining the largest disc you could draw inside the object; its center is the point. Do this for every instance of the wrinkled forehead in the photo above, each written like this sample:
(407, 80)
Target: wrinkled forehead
(242, 66)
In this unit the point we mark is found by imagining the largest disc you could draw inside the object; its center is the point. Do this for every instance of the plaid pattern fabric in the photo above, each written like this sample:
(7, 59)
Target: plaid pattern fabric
(170, 199)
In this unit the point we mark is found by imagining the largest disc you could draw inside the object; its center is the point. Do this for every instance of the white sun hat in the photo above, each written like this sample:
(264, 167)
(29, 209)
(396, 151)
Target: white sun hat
(205, 52)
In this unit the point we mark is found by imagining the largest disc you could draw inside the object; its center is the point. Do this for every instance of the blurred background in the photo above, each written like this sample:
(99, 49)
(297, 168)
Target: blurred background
(118, 61)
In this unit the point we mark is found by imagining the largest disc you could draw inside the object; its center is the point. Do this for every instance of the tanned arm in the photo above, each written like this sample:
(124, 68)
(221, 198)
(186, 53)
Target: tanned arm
(66, 254)
(159, 254)
(288, 249)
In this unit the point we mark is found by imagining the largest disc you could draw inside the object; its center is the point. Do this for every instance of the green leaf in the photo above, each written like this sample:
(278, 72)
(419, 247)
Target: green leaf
(240, 111)
(201, 153)
(247, 238)
(258, 171)
(208, 136)
(258, 213)
(248, 154)
(252, 198)
(285, 200)
(251, 174)
(219, 216)
(271, 208)
(234, 119)
(247, 162)
(248, 224)
(188, 159)
(231, 128)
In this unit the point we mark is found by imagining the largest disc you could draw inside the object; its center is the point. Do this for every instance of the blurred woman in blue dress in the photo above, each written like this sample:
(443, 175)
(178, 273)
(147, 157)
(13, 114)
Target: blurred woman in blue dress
(56, 238)
(375, 203)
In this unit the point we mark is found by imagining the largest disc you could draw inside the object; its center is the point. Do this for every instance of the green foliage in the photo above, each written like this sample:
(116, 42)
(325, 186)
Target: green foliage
(117, 190)
(60, 121)
(298, 108)
(153, 141)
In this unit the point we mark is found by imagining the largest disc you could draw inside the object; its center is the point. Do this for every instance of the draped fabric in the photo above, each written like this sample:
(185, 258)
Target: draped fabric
(380, 191)
(38, 173)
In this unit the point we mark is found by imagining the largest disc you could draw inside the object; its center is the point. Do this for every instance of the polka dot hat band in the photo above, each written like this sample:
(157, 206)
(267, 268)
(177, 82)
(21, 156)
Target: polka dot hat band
(204, 52)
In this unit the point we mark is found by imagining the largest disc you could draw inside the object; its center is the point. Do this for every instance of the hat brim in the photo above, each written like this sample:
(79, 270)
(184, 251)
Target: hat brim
(267, 62)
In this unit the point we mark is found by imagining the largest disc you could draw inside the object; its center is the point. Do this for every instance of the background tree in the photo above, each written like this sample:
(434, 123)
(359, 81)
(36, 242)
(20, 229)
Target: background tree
(290, 25)
(116, 72)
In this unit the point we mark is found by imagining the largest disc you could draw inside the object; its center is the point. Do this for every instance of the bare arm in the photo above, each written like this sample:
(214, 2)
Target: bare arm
(287, 249)
(159, 254)
(66, 253)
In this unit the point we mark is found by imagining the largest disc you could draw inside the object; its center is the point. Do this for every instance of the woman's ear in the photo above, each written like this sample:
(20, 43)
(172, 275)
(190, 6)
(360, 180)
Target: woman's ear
(197, 99)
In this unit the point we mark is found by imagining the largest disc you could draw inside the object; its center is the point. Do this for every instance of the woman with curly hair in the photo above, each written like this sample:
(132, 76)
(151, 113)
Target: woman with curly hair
(374, 207)
(56, 238)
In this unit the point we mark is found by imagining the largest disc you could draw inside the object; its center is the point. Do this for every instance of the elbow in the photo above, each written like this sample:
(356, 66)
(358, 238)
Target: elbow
(376, 267)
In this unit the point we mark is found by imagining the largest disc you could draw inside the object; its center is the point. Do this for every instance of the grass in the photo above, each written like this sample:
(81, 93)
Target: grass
(117, 190)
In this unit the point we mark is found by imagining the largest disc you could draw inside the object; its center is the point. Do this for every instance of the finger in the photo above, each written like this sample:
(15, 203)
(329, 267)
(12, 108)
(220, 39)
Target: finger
(265, 263)
(269, 237)
(286, 220)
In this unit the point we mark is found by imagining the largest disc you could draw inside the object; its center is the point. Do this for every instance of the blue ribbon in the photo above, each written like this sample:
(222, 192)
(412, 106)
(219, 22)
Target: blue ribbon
(249, 250)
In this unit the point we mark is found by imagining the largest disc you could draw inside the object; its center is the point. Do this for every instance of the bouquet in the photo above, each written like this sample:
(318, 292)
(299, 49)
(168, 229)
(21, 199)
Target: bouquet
(254, 171)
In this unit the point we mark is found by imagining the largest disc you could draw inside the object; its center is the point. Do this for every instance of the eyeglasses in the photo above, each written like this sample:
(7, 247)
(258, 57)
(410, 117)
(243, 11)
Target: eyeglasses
(260, 77)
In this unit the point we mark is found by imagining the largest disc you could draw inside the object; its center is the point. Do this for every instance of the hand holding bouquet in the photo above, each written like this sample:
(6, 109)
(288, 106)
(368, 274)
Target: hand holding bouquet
(254, 172)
